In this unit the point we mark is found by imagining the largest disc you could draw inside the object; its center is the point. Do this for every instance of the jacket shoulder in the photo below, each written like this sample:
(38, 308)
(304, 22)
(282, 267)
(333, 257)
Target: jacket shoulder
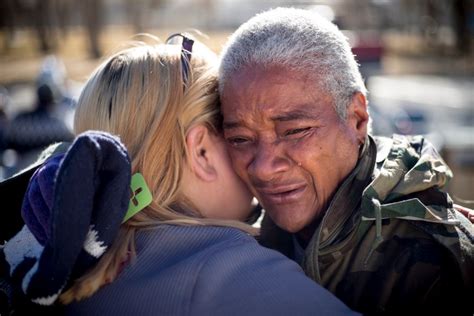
(407, 270)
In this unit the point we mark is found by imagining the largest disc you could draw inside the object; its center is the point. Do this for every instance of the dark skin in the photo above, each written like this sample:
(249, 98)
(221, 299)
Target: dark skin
(469, 213)
(288, 143)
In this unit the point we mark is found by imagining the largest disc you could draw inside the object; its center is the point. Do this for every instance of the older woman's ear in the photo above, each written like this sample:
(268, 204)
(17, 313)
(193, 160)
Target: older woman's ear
(201, 153)
(358, 116)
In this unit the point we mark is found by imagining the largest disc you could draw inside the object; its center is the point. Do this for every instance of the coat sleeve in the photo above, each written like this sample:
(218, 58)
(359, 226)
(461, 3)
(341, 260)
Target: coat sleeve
(248, 279)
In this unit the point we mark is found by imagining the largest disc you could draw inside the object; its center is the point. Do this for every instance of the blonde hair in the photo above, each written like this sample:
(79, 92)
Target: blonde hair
(138, 94)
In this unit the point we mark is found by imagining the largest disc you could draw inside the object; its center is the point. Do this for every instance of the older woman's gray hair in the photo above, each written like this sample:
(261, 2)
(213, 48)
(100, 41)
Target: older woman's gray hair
(299, 40)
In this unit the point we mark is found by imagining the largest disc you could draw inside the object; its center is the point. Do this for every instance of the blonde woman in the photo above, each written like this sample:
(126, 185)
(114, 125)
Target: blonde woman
(187, 252)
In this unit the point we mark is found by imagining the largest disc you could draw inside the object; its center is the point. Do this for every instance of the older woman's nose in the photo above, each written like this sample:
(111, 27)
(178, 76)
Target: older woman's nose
(269, 162)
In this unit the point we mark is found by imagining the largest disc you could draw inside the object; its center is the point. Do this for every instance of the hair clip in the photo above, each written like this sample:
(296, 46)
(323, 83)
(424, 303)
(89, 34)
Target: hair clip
(140, 196)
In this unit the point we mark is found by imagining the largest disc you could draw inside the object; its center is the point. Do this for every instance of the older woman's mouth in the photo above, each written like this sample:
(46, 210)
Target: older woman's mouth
(282, 194)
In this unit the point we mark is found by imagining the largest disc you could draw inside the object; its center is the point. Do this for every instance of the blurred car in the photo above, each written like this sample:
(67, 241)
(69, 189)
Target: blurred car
(442, 108)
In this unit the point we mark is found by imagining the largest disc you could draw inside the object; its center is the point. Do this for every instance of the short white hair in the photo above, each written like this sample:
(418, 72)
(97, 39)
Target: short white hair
(299, 40)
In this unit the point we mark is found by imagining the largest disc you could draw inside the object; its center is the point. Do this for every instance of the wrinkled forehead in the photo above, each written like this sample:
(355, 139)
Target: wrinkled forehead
(271, 93)
(257, 80)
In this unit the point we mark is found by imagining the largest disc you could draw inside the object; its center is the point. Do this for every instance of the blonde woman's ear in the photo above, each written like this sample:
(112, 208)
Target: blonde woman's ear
(201, 153)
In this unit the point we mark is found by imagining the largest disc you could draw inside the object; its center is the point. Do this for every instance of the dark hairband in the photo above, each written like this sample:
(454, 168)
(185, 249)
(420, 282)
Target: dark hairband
(186, 50)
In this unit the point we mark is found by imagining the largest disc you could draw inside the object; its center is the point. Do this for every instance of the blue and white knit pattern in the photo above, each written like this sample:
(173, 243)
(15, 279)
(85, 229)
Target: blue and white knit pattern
(71, 221)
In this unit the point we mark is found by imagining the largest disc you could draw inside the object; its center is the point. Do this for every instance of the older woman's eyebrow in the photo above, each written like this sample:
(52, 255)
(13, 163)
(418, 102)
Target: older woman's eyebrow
(296, 115)
(231, 124)
(292, 115)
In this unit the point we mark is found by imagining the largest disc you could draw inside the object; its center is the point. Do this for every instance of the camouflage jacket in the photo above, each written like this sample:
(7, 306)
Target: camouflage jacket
(390, 241)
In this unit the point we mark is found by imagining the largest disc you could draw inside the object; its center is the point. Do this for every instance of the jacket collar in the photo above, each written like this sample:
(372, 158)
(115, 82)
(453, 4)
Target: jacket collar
(342, 210)
(347, 198)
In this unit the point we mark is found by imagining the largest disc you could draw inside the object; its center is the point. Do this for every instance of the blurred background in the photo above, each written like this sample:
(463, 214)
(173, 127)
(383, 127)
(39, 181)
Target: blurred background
(417, 58)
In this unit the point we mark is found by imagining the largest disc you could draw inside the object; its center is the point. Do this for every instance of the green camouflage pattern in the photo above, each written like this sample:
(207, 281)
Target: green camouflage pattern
(390, 241)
